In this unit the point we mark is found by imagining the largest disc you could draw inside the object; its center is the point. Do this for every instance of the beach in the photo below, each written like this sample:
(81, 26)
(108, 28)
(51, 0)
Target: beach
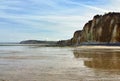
(35, 63)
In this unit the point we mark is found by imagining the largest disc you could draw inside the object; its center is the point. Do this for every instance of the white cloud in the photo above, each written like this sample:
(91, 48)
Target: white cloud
(88, 6)
(63, 21)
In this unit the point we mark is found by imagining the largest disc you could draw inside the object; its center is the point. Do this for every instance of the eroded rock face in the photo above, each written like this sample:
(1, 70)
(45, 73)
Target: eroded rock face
(75, 40)
(101, 29)
(104, 28)
(76, 37)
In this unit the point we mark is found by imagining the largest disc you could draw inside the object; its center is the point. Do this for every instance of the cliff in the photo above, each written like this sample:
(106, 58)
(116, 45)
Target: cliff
(37, 42)
(30, 42)
(101, 29)
(104, 28)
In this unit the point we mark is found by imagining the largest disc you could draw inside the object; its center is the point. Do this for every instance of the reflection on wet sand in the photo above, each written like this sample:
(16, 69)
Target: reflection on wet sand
(99, 58)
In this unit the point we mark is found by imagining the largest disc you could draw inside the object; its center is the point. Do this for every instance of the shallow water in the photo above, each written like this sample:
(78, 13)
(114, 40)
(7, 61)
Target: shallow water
(34, 63)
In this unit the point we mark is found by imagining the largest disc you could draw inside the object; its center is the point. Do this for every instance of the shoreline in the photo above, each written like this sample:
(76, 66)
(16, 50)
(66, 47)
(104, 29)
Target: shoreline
(83, 45)
(97, 47)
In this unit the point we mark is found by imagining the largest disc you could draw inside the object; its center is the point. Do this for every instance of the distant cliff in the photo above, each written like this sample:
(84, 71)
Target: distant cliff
(101, 29)
(37, 42)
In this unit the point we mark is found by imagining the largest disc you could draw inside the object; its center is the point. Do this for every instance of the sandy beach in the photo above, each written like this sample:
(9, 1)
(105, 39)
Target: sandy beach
(33, 63)
(98, 47)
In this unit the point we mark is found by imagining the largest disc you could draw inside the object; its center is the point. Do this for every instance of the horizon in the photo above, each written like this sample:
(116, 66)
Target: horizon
(48, 20)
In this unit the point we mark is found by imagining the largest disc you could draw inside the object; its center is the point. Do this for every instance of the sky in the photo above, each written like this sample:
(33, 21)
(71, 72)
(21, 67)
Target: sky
(48, 19)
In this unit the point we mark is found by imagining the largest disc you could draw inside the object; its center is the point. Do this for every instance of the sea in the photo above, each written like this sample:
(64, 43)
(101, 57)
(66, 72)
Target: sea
(40, 63)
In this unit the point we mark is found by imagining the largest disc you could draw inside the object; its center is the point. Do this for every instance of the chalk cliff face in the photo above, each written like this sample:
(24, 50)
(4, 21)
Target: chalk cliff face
(104, 28)
(76, 37)
(101, 29)
(73, 41)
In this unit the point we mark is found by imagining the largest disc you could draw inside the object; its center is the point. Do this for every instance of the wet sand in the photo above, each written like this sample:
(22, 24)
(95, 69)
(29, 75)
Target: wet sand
(31, 63)
(98, 47)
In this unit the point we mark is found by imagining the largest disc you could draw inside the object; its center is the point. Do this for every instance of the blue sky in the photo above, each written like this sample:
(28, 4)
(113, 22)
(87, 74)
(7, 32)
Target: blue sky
(48, 19)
